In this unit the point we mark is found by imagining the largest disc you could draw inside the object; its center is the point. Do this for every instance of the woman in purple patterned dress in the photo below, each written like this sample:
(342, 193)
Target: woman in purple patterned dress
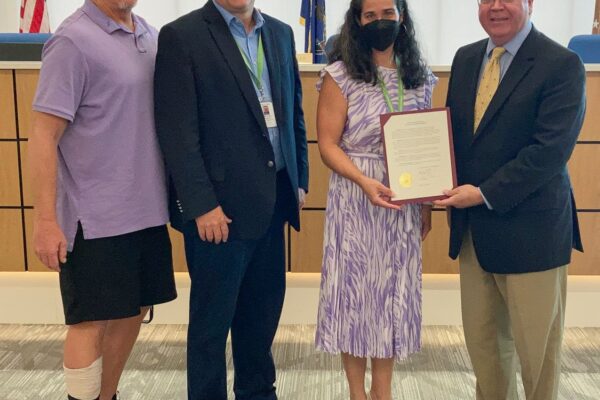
(370, 302)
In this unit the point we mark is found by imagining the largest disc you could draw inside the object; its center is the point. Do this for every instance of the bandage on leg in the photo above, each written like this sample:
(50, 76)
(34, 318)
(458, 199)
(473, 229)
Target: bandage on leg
(84, 383)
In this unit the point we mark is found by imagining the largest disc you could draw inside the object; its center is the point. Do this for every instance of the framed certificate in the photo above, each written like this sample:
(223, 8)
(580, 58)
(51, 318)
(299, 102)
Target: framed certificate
(419, 154)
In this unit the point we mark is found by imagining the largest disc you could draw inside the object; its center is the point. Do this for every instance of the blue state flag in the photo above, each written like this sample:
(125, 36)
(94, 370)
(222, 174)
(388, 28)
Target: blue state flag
(312, 16)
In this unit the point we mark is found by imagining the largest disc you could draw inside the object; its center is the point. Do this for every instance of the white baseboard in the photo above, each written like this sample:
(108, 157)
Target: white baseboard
(33, 298)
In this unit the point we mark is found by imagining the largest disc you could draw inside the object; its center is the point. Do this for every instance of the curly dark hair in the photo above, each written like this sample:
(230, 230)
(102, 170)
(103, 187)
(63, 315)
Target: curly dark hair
(356, 54)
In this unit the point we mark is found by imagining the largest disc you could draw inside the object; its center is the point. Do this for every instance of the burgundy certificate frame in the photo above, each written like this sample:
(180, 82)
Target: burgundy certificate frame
(384, 118)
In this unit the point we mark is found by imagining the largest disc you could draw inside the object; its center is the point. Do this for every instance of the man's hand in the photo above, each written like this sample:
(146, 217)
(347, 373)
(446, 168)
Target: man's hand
(49, 244)
(301, 198)
(461, 197)
(425, 220)
(212, 226)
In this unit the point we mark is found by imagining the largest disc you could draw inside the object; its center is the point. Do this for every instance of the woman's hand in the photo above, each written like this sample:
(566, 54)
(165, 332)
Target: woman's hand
(425, 220)
(379, 195)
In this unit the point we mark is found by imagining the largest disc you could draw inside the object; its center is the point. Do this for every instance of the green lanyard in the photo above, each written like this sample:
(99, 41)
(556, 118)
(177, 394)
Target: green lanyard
(260, 65)
(386, 94)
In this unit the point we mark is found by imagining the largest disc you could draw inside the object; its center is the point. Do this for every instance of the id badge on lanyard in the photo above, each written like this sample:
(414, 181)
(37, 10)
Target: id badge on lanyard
(269, 113)
(266, 107)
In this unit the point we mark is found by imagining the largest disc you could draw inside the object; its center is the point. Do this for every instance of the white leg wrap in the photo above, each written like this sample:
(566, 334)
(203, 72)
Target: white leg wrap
(84, 383)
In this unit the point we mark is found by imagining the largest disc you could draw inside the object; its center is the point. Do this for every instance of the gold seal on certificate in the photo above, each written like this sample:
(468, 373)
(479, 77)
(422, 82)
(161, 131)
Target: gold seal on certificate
(405, 180)
(419, 154)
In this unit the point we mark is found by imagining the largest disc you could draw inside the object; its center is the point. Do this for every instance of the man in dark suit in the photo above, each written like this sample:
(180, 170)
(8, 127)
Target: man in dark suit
(517, 101)
(229, 119)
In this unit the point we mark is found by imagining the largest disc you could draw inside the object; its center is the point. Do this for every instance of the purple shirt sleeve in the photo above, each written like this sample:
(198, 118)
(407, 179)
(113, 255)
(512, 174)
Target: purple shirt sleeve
(62, 80)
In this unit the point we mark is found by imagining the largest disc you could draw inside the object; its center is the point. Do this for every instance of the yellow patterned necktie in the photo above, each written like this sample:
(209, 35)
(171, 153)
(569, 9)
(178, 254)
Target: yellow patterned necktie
(490, 80)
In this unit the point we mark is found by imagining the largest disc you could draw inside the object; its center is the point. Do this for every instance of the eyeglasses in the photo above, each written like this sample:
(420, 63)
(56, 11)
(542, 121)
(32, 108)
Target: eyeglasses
(486, 2)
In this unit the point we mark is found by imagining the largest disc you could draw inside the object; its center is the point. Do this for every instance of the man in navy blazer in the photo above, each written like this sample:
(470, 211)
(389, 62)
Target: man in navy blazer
(513, 217)
(230, 123)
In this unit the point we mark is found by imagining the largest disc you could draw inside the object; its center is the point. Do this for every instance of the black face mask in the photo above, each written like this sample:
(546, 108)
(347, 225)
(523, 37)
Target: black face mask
(380, 34)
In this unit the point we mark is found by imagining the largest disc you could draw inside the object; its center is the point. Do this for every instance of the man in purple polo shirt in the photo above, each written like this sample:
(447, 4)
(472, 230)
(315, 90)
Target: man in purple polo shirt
(100, 193)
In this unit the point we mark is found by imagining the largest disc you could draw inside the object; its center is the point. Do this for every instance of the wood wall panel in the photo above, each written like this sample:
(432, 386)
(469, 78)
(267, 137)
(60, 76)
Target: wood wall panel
(9, 174)
(439, 93)
(27, 194)
(435, 247)
(591, 124)
(310, 97)
(583, 168)
(8, 127)
(286, 241)
(319, 179)
(588, 263)
(179, 263)
(12, 256)
(307, 245)
(26, 84)
(33, 263)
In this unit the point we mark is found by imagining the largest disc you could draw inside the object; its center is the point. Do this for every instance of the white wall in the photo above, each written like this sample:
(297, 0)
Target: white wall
(9, 16)
(442, 25)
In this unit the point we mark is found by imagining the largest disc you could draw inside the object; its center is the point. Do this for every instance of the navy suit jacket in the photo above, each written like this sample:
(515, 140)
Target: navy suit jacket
(518, 156)
(211, 128)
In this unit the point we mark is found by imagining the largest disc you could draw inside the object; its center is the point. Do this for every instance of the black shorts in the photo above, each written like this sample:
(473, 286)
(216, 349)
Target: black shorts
(113, 277)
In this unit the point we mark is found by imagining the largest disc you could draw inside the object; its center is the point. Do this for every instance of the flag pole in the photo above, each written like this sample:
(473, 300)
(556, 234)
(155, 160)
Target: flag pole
(596, 26)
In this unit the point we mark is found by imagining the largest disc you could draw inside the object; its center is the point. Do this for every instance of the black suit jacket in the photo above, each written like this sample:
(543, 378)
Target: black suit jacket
(518, 156)
(211, 128)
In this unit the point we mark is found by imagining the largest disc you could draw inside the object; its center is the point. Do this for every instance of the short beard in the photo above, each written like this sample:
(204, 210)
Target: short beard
(126, 5)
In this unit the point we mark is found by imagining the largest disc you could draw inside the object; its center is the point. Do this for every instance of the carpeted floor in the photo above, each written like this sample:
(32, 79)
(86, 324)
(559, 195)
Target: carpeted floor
(31, 363)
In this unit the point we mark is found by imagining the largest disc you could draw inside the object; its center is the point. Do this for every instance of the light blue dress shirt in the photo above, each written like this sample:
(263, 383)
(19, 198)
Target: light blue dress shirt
(511, 47)
(506, 60)
(248, 42)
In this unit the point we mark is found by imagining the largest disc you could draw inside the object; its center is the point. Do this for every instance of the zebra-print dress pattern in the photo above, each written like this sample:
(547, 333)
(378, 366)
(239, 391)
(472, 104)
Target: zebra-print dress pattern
(370, 301)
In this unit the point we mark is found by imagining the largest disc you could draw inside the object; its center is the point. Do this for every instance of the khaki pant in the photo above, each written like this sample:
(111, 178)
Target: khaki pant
(509, 315)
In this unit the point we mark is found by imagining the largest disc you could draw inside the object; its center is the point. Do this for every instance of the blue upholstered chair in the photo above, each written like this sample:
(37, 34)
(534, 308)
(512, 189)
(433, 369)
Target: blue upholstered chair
(329, 45)
(24, 37)
(588, 48)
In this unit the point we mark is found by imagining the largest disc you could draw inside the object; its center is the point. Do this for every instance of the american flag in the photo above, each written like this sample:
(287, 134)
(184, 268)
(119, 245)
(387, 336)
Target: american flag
(34, 17)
